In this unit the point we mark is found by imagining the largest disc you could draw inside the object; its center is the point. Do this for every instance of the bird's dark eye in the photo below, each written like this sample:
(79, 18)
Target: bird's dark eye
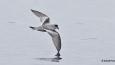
(56, 25)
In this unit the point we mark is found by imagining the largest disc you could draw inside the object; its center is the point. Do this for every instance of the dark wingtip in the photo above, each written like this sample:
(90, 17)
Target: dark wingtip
(32, 10)
(31, 27)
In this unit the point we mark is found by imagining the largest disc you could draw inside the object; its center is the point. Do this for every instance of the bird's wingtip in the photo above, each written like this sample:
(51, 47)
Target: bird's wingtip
(31, 9)
(30, 26)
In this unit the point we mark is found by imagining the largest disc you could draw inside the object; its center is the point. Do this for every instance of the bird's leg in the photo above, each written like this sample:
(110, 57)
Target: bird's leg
(58, 54)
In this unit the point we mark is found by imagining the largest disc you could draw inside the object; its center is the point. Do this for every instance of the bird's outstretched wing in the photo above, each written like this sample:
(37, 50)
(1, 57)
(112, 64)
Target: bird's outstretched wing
(43, 18)
(55, 38)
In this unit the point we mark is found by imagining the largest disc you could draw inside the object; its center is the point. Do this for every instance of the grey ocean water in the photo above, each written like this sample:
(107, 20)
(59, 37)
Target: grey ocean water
(87, 29)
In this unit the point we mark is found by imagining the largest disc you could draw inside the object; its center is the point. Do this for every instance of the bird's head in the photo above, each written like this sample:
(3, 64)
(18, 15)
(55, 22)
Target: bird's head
(56, 26)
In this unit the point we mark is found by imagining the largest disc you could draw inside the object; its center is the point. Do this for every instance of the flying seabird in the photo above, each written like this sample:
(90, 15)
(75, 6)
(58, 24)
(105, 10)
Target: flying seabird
(49, 28)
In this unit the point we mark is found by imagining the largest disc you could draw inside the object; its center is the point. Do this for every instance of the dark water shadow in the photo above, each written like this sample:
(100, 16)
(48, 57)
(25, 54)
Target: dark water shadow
(55, 59)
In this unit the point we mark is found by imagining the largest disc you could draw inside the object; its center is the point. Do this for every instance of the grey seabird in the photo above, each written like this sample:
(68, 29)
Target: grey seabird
(49, 28)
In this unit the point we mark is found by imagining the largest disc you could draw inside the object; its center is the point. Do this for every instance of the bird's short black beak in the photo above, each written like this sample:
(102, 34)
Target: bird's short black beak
(58, 28)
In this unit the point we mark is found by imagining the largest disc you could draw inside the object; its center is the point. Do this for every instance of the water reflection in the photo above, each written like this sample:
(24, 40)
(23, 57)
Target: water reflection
(55, 59)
